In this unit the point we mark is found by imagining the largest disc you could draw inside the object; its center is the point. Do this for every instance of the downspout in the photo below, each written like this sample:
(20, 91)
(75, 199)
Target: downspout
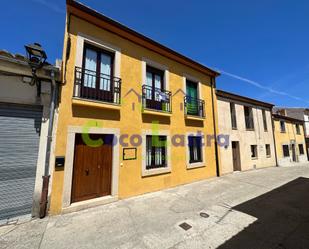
(274, 137)
(215, 126)
(46, 176)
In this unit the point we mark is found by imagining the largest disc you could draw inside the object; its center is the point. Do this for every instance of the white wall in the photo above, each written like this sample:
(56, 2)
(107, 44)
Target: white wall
(14, 90)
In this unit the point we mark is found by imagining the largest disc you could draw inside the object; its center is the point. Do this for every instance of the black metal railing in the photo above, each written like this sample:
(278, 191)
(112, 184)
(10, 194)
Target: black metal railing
(156, 99)
(194, 106)
(96, 86)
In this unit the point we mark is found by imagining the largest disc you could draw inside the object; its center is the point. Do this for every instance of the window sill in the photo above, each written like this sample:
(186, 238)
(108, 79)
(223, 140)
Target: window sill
(191, 117)
(95, 104)
(254, 158)
(268, 156)
(158, 171)
(196, 165)
(249, 129)
(156, 112)
(234, 128)
(282, 131)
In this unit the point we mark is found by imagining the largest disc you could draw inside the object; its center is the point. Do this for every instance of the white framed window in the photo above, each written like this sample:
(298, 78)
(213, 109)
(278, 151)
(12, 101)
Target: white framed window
(147, 62)
(195, 150)
(155, 153)
(83, 39)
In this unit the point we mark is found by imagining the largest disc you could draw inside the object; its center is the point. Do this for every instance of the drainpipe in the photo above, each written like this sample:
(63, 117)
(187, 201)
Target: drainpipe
(274, 137)
(215, 126)
(46, 176)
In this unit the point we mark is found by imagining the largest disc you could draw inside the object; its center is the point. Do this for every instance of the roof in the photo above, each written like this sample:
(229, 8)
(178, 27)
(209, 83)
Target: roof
(22, 59)
(233, 96)
(295, 120)
(17, 64)
(90, 15)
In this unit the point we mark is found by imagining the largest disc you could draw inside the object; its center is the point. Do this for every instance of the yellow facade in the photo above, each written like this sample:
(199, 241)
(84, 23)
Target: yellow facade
(290, 138)
(78, 113)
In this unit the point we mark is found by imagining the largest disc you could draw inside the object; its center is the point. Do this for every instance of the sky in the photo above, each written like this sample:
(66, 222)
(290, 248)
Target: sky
(260, 47)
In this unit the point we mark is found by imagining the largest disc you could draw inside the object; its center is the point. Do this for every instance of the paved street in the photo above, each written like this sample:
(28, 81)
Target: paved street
(266, 208)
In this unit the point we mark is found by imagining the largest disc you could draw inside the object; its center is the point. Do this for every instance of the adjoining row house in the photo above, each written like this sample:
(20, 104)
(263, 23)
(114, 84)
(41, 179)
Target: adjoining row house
(297, 113)
(249, 125)
(290, 140)
(133, 115)
(24, 124)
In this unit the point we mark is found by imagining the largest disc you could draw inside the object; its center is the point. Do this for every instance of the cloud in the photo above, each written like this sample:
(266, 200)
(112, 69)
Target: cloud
(259, 85)
(51, 6)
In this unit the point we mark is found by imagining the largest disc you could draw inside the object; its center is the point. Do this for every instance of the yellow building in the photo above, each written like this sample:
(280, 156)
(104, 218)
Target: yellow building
(145, 111)
(290, 140)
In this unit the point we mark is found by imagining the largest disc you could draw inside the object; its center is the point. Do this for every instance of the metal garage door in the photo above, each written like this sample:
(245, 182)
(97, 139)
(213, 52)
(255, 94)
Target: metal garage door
(19, 146)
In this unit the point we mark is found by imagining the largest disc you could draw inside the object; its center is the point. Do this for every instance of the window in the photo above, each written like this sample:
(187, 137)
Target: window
(286, 151)
(249, 118)
(192, 98)
(97, 74)
(254, 151)
(282, 126)
(195, 149)
(233, 115)
(301, 149)
(264, 120)
(297, 129)
(154, 94)
(155, 152)
(267, 147)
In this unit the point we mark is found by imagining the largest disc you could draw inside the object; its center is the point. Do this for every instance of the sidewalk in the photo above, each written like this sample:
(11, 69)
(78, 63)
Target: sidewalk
(265, 208)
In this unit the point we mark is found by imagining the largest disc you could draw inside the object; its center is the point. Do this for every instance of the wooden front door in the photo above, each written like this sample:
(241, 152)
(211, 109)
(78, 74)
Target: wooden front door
(236, 156)
(92, 170)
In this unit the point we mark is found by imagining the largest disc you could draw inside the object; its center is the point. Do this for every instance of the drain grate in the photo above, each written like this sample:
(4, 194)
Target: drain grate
(185, 226)
(204, 215)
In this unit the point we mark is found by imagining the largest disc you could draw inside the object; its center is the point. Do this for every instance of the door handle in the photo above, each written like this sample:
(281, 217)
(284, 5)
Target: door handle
(87, 172)
(99, 166)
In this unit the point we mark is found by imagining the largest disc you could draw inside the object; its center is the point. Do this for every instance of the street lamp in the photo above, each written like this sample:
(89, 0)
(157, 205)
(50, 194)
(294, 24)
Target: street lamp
(36, 58)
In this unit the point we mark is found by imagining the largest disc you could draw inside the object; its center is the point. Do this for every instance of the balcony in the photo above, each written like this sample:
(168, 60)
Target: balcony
(194, 108)
(157, 100)
(96, 87)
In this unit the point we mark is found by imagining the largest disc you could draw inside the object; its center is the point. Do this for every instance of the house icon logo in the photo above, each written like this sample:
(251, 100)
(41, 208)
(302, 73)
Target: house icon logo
(139, 97)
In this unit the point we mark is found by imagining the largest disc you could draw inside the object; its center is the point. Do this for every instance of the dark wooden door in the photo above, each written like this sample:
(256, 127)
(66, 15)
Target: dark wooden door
(293, 153)
(236, 156)
(92, 170)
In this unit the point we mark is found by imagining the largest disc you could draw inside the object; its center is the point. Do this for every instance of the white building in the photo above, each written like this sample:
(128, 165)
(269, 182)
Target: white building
(24, 120)
(248, 123)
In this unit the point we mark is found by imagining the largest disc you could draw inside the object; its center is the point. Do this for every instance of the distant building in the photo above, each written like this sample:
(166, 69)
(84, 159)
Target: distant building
(290, 140)
(249, 123)
(298, 113)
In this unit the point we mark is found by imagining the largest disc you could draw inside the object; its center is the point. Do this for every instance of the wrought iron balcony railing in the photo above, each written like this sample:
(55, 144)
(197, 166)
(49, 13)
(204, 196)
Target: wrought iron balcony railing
(156, 99)
(96, 86)
(194, 107)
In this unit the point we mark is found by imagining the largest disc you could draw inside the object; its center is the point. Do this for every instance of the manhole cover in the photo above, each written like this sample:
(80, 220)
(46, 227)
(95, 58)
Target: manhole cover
(185, 226)
(204, 215)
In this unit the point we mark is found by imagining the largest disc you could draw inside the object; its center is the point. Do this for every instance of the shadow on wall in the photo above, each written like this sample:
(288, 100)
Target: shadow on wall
(282, 219)
(95, 113)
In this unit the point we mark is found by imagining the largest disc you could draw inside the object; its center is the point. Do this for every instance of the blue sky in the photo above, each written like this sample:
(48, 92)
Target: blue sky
(260, 47)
